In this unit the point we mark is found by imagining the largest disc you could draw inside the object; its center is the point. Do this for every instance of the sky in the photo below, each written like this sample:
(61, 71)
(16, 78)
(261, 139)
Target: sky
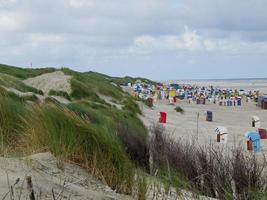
(157, 39)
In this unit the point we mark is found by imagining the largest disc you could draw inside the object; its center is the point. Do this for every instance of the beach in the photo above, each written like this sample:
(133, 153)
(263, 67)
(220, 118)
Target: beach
(237, 119)
(246, 84)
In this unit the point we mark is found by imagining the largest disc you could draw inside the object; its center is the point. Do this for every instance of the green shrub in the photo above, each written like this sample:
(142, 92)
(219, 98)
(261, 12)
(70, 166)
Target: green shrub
(179, 109)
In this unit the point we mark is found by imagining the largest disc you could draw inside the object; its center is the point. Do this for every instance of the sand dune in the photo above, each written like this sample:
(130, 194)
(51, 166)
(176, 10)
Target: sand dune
(51, 81)
(46, 176)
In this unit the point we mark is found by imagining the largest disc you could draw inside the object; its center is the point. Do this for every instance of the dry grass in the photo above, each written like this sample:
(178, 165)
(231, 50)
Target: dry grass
(211, 171)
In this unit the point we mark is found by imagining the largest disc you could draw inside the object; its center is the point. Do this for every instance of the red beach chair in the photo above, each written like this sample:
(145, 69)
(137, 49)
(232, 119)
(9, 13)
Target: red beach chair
(163, 117)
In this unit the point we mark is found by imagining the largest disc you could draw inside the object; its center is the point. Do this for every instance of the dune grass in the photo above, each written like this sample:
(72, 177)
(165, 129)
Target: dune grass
(82, 91)
(127, 79)
(12, 108)
(127, 127)
(12, 82)
(24, 73)
(108, 142)
(59, 93)
(131, 106)
(87, 85)
(72, 137)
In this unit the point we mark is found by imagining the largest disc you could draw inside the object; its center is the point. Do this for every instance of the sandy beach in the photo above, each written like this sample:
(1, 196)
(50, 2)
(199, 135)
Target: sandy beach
(236, 119)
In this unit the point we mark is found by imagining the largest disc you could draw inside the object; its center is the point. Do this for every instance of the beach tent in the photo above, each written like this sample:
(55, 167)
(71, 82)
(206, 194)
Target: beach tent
(253, 141)
(222, 134)
(255, 121)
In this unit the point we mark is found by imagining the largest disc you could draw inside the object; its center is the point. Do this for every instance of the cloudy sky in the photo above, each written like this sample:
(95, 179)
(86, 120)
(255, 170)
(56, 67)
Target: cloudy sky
(158, 39)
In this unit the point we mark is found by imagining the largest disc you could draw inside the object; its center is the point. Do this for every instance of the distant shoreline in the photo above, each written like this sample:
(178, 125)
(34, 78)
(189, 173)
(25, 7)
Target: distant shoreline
(224, 79)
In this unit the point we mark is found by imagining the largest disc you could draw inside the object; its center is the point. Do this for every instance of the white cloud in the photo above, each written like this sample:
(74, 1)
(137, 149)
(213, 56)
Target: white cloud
(4, 3)
(40, 39)
(81, 3)
(188, 40)
(122, 32)
(9, 22)
(192, 42)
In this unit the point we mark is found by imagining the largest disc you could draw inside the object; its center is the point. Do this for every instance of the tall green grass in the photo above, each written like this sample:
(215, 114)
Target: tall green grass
(69, 136)
(131, 106)
(12, 109)
(109, 142)
(12, 82)
(87, 85)
(81, 91)
(127, 127)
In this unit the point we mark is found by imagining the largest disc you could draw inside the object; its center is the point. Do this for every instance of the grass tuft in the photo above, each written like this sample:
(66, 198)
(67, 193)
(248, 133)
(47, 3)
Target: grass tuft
(59, 93)
(179, 109)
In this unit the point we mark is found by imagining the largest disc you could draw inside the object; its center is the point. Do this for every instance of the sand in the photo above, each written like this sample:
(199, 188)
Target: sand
(78, 184)
(47, 176)
(51, 81)
(236, 119)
